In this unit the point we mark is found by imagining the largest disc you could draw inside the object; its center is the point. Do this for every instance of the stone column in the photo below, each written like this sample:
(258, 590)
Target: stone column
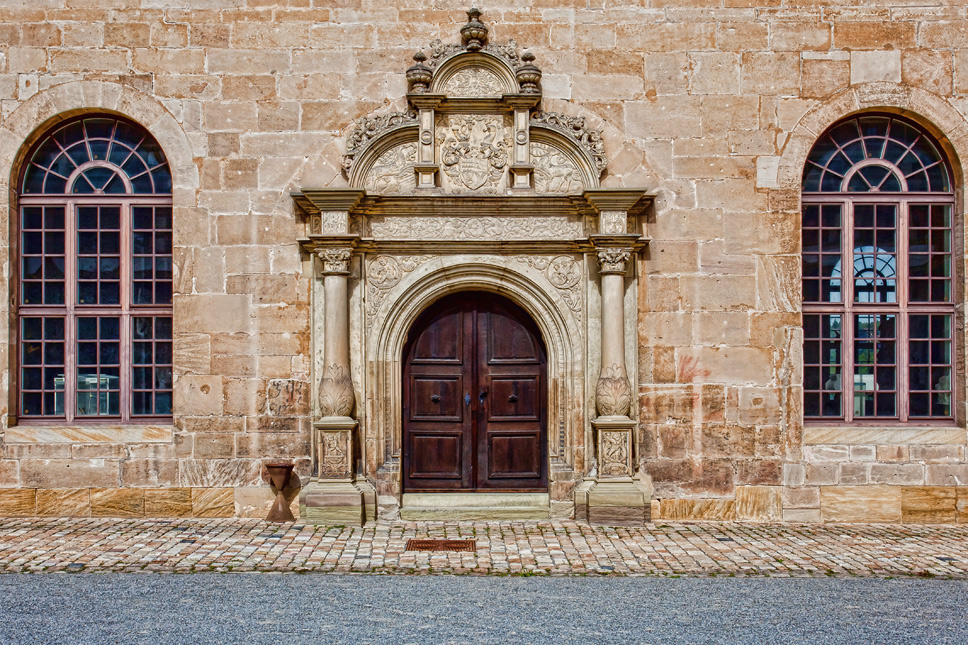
(615, 496)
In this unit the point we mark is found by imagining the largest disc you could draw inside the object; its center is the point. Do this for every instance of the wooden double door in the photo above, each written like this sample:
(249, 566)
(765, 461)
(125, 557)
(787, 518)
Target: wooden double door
(474, 398)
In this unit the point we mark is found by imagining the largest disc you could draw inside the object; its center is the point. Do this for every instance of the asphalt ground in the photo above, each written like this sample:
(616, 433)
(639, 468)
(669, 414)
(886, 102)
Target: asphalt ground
(320, 608)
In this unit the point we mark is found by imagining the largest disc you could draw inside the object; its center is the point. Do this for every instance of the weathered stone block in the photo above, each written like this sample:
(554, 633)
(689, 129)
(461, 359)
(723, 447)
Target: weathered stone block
(759, 503)
(860, 503)
(929, 504)
(18, 502)
(697, 509)
(168, 502)
(213, 502)
(868, 66)
(117, 502)
(69, 473)
(65, 502)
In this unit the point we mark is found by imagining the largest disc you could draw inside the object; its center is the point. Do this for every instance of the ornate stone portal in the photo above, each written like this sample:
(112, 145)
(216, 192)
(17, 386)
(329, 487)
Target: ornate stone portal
(474, 188)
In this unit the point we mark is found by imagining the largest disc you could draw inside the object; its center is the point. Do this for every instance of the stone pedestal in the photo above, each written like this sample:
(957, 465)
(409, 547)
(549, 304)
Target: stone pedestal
(333, 497)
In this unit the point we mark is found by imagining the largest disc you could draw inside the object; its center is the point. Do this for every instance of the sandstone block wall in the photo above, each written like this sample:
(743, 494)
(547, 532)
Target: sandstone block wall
(711, 104)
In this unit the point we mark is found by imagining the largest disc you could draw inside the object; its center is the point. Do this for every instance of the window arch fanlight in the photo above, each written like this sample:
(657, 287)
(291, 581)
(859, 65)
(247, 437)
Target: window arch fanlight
(879, 342)
(94, 315)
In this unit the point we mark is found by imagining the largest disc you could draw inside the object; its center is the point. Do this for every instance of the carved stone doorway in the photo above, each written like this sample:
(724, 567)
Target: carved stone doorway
(474, 398)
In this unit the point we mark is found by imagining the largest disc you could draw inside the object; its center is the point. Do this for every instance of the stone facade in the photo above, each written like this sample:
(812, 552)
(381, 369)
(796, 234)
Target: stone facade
(709, 108)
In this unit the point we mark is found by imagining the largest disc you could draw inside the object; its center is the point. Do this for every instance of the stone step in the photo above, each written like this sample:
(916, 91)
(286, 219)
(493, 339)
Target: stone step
(475, 506)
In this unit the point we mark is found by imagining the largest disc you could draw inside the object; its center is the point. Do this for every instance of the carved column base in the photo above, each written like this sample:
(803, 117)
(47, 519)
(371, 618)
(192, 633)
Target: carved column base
(333, 497)
(616, 497)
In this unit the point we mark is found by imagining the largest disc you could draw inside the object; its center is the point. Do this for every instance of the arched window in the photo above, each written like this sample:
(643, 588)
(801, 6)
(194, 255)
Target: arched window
(878, 342)
(95, 275)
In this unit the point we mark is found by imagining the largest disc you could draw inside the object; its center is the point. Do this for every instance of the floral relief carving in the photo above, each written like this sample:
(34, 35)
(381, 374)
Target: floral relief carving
(474, 153)
(554, 171)
(393, 172)
(577, 128)
(614, 454)
(419, 227)
(613, 396)
(371, 127)
(474, 81)
(333, 455)
(336, 397)
(564, 274)
(383, 273)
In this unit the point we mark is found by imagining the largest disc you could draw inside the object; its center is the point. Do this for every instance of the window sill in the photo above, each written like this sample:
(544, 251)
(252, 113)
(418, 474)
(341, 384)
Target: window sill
(157, 433)
(883, 435)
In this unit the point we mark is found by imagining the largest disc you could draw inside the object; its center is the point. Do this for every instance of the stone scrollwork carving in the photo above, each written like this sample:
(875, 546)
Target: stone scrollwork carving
(564, 273)
(474, 81)
(474, 153)
(614, 456)
(421, 227)
(369, 128)
(333, 457)
(577, 128)
(335, 260)
(383, 273)
(613, 396)
(554, 171)
(393, 173)
(336, 397)
(613, 260)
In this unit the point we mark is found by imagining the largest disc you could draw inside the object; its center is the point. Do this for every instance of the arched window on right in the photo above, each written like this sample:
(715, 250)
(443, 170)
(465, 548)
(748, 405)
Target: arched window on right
(878, 288)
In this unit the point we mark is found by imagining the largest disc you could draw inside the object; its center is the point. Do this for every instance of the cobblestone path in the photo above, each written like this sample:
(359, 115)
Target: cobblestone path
(503, 548)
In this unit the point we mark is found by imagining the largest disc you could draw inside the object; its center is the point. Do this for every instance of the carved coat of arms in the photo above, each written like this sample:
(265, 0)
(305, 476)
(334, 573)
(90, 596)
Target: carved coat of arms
(475, 152)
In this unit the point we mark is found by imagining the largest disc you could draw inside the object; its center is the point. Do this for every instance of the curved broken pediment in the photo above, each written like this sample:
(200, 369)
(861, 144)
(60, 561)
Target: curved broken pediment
(474, 126)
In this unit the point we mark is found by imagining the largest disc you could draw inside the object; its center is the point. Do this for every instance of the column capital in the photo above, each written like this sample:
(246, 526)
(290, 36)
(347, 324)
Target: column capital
(336, 261)
(614, 260)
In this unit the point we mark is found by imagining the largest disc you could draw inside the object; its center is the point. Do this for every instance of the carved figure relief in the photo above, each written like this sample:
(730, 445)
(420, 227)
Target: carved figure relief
(336, 395)
(335, 222)
(564, 273)
(418, 227)
(474, 81)
(382, 274)
(393, 172)
(613, 222)
(474, 152)
(613, 396)
(614, 456)
(333, 455)
(554, 171)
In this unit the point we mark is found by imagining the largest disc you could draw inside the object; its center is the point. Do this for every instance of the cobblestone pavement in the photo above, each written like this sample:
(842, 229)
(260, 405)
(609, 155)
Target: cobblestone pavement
(503, 548)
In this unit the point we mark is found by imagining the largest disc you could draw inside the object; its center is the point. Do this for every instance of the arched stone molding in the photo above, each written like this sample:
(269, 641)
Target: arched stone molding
(34, 118)
(434, 278)
(933, 112)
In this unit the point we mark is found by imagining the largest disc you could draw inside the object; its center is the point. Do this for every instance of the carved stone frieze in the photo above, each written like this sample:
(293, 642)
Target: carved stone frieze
(613, 396)
(554, 171)
(474, 152)
(614, 452)
(393, 173)
(490, 228)
(577, 129)
(333, 454)
(383, 273)
(613, 260)
(371, 127)
(564, 273)
(335, 260)
(336, 396)
(474, 81)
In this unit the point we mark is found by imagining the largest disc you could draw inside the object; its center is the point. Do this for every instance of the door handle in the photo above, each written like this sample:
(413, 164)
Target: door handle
(435, 398)
(467, 398)
(482, 396)
(513, 398)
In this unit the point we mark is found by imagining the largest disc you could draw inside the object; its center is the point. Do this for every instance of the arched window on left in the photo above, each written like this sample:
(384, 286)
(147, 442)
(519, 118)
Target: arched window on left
(94, 314)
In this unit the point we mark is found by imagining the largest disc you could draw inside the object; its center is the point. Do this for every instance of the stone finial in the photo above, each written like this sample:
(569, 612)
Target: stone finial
(419, 75)
(474, 33)
(528, 75)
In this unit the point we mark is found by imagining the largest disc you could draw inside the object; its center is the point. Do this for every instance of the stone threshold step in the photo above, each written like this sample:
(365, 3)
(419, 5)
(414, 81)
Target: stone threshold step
(475, 506)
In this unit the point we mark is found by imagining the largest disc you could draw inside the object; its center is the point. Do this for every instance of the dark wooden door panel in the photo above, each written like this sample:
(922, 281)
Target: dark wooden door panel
(474, 398)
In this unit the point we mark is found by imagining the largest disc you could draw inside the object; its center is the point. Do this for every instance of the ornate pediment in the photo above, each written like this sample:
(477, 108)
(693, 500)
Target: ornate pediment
(474, 126)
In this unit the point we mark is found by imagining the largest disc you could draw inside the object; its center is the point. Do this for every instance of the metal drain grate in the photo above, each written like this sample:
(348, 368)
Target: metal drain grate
(441, 545)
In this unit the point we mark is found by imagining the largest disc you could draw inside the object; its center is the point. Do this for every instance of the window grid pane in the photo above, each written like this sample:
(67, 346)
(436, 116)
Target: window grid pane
(42, 255)
(98, 255)
(930, 365)
(822, 366)
(875, 366)
(875, 253)
(151, 366)
(822, 253)
(151, 255)
(42, 366)
(98, 366)
(929, 259)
